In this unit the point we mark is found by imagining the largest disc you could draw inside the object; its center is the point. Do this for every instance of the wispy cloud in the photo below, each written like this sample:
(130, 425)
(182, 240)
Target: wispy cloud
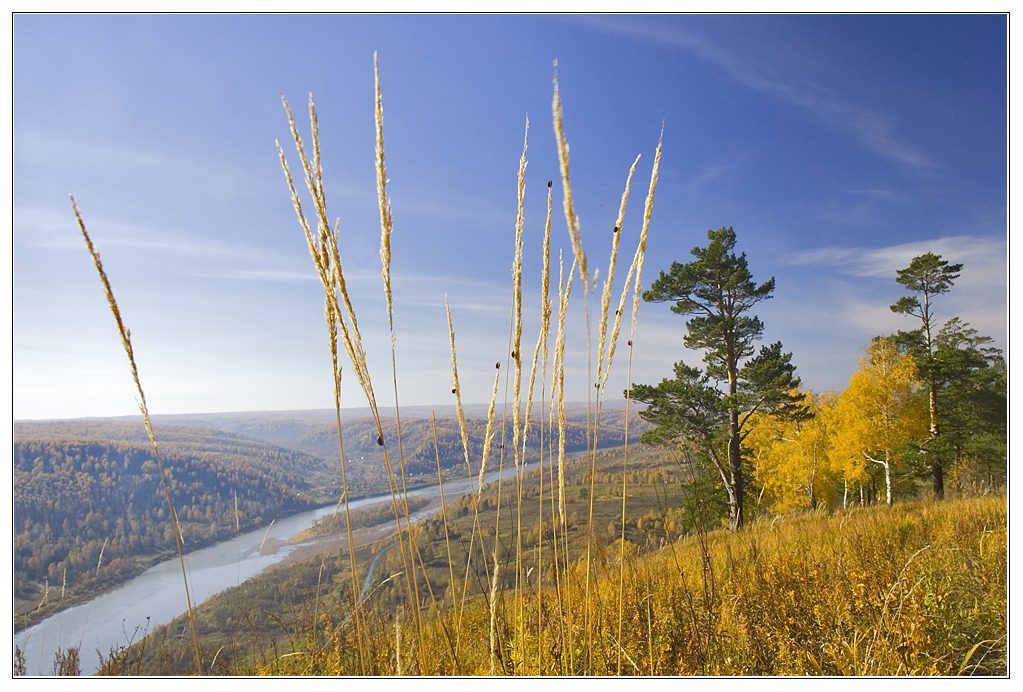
(46, 228)
(269, 275)
(985, 257)
(879, 194)
(708, 174)
(854, 287)
(872, 130)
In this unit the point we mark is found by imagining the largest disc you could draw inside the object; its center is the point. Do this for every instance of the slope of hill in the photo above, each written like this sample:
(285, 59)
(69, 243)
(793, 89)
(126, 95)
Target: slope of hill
(915, 589)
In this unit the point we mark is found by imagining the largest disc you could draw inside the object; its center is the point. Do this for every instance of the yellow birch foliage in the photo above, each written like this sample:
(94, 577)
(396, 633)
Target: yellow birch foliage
(791, 460)
(881, 410)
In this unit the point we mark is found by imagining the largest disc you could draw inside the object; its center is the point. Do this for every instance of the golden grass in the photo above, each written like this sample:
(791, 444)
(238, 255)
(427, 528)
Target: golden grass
(569, 206)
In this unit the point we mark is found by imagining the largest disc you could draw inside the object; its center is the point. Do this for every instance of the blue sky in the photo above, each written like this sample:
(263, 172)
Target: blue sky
(837, 147)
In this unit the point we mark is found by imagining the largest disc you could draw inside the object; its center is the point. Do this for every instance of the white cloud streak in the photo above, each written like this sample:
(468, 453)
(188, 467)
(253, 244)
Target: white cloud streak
(986, 258)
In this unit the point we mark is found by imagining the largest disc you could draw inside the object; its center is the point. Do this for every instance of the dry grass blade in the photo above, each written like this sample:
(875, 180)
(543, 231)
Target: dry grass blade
(605, 303)
(443, 507)
(457, 387)
(125, 335)
(386, 227)
(386, 222)
(460, 412)
(541, 343)
(516, 355)
(517, 293)
(636, 267)
(488, 435)
(565, 291)
(648, 210)
(493, 613)
(326, 258)
(570, 216)
(605, 299)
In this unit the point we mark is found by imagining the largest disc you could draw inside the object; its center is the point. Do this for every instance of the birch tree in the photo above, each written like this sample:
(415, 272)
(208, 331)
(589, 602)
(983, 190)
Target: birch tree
(880, 414)
(791, 455)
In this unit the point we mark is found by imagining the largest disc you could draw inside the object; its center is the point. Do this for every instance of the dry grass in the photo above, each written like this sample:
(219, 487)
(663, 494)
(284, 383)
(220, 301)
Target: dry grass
(125, 335)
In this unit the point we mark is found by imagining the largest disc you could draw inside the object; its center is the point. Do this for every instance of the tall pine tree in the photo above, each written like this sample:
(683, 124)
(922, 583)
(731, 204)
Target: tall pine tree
(927, 276)
(716, 406)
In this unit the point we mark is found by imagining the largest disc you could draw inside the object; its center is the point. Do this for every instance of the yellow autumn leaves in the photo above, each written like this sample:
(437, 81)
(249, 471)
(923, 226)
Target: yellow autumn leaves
(827, 460)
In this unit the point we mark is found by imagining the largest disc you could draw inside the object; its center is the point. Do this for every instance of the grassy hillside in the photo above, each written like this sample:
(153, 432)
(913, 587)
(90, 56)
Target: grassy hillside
(920, 589)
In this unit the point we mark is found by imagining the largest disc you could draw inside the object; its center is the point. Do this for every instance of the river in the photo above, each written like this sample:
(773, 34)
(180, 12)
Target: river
(155, 597)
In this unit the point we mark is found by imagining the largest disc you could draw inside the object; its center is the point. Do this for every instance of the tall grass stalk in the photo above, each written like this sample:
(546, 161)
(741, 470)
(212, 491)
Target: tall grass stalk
(476, 529)
(565, 292)
(493, 612)
(326, 258)
(125, 335)
(625, 476)
(570, 217)
(541, 347)
(518, 427)
(322, 262)
(488, 436)
(386, 227)
(605, 303)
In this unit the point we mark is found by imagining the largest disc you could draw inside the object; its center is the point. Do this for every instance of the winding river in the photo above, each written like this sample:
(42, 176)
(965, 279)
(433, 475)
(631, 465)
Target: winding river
(155, 597)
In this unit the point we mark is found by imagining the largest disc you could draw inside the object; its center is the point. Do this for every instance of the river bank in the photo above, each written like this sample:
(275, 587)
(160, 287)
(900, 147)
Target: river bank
(126, 612)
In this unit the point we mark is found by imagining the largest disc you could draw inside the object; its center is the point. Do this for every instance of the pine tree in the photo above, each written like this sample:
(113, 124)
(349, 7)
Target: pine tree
(718, 291)
(927, 276)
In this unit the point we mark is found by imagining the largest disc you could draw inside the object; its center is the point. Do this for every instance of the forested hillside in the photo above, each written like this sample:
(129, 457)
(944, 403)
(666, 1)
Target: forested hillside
(89, 512)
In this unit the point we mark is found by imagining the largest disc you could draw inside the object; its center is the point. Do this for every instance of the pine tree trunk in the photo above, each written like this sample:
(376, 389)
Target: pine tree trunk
(937, 474)
(735, 467)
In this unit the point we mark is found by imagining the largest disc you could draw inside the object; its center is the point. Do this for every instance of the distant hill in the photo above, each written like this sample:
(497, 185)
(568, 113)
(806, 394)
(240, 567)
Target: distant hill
(314, 432)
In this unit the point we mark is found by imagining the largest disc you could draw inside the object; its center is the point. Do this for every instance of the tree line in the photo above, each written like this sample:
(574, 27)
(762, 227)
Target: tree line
(927, 402)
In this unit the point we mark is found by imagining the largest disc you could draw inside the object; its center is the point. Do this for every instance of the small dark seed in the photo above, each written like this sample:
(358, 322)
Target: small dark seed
(615, 229)
(515, 354)
(497, 365)
(550, 183)
(452, 390)
(630, 342)
(380, 440)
